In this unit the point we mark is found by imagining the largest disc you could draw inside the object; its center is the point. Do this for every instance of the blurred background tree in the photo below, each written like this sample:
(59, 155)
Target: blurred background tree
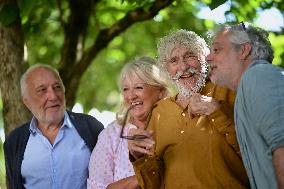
(89, 41)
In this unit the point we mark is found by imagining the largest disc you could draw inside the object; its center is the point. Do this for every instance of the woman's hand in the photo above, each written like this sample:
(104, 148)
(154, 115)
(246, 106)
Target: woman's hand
(126, 183)
(139, 147)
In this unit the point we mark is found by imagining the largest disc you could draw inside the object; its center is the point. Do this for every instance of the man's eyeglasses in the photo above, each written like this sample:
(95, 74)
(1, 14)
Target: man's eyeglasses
(133, 137)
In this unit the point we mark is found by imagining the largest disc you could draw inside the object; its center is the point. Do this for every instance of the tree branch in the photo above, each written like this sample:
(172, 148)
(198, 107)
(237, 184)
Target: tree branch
(106, 35)
(58, 3)
(74, 30)
(72, 70)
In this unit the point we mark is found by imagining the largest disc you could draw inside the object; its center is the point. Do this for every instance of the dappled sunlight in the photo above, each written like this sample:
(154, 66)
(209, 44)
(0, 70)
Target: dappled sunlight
(105, 117)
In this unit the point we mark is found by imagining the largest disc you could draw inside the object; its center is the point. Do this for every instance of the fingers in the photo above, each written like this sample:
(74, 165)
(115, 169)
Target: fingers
(141, 146)
(202, 105)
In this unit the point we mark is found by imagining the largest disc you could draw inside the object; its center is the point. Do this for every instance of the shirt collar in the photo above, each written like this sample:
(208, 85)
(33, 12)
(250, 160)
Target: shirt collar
(66, 123)
(255, 62)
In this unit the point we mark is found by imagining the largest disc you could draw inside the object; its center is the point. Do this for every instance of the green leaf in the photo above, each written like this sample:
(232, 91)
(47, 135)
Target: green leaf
(8, 14)
(214, 4)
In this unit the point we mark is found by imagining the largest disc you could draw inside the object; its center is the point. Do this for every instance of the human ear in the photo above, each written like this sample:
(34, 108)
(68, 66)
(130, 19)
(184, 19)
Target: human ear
(163, 93)
(25, 101)
(246, 50)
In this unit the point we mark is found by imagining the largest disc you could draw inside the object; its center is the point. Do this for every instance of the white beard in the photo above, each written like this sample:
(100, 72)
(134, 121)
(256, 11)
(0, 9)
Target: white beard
(200, 83)
(187, 92)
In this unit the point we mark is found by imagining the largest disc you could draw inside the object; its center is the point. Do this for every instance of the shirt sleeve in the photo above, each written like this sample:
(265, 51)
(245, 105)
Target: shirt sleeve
(149, 172)
(223, 121)
(266, 87)
(101, 163)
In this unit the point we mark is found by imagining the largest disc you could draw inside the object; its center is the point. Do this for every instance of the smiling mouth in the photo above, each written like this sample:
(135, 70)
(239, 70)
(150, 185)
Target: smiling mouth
(134, 104)
(187, 75)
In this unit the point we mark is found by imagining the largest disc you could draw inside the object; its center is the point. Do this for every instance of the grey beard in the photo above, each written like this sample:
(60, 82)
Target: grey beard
(200, 83)
(187, 92)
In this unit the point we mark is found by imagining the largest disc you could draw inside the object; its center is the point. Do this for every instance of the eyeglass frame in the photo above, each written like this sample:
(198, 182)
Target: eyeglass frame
(134, 137)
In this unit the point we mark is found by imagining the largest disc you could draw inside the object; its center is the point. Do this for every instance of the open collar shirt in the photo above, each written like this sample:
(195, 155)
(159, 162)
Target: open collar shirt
(62, 165)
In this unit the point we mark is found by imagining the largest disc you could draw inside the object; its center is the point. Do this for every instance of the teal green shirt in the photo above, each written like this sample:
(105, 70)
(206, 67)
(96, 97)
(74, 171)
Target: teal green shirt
(259, 119)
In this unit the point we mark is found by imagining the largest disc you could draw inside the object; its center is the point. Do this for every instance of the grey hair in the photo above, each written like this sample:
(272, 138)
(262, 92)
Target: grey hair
(189, 39)
(257, 37)
(23, 80)
(147, 70)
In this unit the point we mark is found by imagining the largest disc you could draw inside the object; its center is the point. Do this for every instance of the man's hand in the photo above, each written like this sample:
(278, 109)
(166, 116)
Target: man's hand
(202, 105)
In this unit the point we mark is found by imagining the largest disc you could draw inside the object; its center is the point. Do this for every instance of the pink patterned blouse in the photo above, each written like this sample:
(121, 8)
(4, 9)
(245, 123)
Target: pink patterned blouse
(109, 161)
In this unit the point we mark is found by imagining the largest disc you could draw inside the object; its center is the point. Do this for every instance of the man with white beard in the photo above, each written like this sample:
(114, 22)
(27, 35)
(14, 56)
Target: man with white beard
(190, 139)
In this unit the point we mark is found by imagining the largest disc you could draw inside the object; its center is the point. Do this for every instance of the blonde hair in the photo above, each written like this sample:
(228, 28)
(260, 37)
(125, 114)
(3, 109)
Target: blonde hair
(147, 70)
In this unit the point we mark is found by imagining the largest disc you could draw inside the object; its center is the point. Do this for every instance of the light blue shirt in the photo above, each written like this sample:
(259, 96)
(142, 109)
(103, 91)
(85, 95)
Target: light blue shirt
(259, 119)
(63, 165)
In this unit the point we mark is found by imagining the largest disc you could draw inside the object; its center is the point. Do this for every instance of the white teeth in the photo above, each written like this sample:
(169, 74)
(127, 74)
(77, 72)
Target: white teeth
(135, 103)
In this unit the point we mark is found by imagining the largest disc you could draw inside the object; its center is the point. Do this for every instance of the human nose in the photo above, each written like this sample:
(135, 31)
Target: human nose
(209, 57)
(183, 65)
(51, 94)
(132, 94)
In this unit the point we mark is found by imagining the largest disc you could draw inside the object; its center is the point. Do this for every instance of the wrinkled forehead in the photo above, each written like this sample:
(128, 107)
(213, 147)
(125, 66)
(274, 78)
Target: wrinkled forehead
(41, 76)
(221, 37)
(194, 49)
(179, 47)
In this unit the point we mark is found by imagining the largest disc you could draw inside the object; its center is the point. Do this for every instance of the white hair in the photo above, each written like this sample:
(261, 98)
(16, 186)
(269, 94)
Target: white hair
(23, 80)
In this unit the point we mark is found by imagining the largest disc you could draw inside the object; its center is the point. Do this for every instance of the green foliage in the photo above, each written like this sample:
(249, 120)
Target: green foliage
(214, 4)
(277, 42)
(137, 2)
(8, 14)
(44, 33)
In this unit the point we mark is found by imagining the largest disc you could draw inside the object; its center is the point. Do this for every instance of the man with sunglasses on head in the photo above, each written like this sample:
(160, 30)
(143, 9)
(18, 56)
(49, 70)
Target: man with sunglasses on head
(241, 60)
(191, 136)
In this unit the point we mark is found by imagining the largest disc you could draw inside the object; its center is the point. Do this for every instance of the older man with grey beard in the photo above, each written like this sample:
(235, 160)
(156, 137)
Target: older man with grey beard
(190, 139)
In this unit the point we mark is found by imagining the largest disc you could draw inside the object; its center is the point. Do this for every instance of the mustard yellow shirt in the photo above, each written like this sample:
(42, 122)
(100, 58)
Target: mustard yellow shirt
(198, 153)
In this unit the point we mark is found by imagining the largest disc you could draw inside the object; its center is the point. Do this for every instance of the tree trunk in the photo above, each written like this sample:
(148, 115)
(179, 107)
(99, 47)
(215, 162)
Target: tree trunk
(11, 63)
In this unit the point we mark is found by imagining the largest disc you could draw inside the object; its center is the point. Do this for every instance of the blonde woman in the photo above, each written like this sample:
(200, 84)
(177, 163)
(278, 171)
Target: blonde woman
(142, 85)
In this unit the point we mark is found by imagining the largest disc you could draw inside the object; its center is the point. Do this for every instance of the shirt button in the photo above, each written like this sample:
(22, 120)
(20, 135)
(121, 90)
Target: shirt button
(212, 120)
(183, 114)
(145, 160)
(153, 172)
